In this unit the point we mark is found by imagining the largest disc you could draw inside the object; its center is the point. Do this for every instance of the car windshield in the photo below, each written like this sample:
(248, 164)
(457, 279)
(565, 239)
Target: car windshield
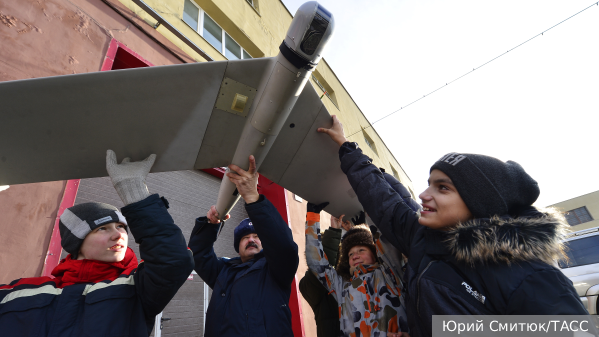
(581, 252)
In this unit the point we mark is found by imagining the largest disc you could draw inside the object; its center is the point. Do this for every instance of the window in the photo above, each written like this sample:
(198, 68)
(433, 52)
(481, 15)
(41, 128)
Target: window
(370, 143)
(578, 216)
(255, 5)
(327, 91)
(197, 19)
(581, 252)
(191, 13)
(395, 174)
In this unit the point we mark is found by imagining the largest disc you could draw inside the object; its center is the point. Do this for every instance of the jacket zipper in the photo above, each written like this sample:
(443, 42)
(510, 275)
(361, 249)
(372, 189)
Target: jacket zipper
(419, 277)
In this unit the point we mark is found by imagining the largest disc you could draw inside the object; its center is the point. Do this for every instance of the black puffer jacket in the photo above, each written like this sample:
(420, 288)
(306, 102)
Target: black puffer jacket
(485, 266)
(125, 306)
(251, 298)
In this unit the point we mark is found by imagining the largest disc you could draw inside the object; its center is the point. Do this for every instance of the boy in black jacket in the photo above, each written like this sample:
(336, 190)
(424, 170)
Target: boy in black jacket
(479, 247)
(99, 289)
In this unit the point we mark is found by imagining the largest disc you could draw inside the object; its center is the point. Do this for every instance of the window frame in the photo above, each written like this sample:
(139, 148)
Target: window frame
(395, 173)
(572, 211)
(370, 142)
(324, 90)
(200, 31)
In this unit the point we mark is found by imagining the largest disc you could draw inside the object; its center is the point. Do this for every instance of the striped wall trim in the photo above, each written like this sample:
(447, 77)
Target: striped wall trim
(47, 289)
(121, 280)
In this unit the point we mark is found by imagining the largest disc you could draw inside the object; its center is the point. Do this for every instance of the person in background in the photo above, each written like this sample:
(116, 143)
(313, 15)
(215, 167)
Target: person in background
(366, 288)
(323, 303)
(478, 247)
(250, 292)
(99, 289)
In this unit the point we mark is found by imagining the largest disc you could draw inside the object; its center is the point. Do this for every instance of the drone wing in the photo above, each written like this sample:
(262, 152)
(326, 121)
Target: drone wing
(59, 128)
(307, 162)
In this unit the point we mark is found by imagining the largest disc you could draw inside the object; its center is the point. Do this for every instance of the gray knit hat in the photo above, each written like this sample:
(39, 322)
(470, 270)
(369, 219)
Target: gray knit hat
(78, 221)
(488, 185)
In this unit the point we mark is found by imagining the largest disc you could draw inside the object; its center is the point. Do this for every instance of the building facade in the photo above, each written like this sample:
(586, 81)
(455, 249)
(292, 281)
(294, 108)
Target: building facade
(581, 212)
(58, 37)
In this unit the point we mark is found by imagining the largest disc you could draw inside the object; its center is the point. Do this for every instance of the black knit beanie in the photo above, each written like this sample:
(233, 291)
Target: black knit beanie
(357, 235)
(78, 221)
(488, 185)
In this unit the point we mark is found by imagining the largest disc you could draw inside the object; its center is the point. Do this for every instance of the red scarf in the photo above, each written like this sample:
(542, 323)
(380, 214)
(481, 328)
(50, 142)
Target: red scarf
(69, 271)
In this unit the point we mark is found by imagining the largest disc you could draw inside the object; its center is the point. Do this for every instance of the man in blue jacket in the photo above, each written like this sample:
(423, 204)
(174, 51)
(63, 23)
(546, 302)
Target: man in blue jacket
(250, 292)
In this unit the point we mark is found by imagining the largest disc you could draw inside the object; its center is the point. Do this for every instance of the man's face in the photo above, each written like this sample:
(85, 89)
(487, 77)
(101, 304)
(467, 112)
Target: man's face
(107, 243)
(442, 206)
(249, 246)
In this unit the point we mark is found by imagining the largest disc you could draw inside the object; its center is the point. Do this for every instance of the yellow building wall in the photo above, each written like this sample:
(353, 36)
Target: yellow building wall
(591, 201)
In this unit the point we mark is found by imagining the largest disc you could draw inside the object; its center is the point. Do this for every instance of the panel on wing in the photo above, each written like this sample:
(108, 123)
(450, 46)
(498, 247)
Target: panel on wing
(307, 162)
(224, 128)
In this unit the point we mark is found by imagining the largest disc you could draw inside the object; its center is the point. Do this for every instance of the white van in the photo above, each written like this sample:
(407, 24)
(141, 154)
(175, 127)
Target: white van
(582, 266)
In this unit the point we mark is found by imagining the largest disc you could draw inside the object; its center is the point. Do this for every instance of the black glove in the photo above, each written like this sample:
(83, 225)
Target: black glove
(316, 208)
(359, 219)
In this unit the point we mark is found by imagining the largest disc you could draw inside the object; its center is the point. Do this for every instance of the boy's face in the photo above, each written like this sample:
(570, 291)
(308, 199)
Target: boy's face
(442, 206)
(249, 246)
(360, 255)
(107, 243)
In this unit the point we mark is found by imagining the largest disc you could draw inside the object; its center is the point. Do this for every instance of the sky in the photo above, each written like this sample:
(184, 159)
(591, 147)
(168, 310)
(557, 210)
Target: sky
(537, 105)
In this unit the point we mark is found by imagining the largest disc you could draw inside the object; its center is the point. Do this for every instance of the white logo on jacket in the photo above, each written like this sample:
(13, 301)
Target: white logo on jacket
(480, 297)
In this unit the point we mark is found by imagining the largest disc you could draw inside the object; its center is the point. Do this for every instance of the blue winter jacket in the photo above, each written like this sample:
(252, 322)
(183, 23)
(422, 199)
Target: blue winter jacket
(251, 298)
(126, 306)
(483, 266)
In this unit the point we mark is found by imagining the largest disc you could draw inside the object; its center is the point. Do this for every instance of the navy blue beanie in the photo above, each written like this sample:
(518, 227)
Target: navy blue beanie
(245, 227)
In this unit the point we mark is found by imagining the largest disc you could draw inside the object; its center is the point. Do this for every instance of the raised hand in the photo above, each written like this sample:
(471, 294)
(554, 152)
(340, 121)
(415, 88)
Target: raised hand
(359, 219)
(336, 222)
(314, 208)
(246, 181)
(335, 132)
(129, 177)
(213, 216)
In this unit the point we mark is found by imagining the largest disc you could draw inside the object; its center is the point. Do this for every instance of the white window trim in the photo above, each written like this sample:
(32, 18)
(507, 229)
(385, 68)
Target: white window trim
(200, 31)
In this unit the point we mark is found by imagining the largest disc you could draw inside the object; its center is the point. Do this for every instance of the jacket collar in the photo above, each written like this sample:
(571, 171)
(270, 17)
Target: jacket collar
(507, 239)
(435, 242)
(363, 269)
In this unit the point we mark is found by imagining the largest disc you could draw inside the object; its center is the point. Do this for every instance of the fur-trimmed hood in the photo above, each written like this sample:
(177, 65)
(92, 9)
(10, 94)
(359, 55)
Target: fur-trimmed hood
(508, 239)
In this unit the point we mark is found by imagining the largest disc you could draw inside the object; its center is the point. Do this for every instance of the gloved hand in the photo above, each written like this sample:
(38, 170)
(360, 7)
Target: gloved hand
(129, 177)
(359, 219)
(316, 208)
